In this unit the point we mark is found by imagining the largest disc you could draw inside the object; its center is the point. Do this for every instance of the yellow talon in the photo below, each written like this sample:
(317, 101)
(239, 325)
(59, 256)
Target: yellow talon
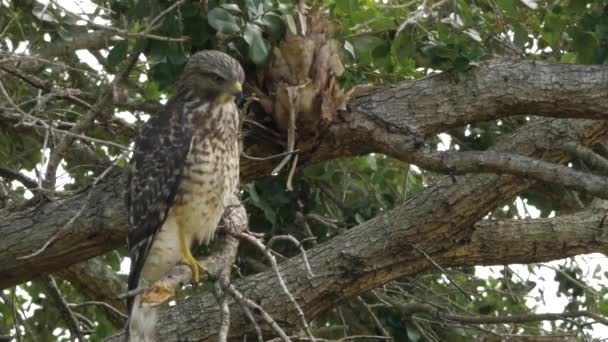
(187, 257)
(194, 265)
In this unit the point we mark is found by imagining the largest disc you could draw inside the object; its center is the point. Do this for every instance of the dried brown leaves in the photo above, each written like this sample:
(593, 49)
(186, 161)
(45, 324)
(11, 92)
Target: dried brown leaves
(302, 75)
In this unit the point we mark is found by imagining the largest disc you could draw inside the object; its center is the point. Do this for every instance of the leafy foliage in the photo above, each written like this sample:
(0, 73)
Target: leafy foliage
(381, 42)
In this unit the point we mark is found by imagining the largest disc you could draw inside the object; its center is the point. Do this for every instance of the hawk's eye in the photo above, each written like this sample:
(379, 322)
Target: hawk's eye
(217, 78)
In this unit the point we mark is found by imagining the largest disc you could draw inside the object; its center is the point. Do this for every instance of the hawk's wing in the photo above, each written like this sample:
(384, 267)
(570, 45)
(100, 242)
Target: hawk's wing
(156, 166)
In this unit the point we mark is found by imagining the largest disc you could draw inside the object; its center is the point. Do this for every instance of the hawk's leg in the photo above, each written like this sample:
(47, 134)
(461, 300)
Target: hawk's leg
(187, 257)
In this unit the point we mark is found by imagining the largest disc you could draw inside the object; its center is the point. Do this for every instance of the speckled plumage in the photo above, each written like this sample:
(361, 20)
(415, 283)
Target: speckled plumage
(183, 173)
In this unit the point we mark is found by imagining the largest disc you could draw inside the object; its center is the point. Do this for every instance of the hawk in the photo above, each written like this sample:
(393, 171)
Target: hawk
(183, 173)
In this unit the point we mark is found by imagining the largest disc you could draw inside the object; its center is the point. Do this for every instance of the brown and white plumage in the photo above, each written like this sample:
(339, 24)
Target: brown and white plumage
(183, 173)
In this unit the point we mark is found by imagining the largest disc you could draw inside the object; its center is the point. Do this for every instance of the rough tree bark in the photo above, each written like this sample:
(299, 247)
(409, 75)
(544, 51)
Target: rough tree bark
(437, 221)
(391, 119)
(394, 120)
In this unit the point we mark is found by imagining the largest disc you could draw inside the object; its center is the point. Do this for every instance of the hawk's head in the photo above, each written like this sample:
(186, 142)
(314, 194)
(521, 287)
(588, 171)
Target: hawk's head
(212, 75)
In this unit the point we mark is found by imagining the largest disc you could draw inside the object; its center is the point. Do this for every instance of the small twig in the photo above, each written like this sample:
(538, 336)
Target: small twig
(291, 130)
(347, 338)
(259, 125)
(150, 25)
(222, 300)
(65, 142)
(15, 315)
(104, 304)
(265, 316)
(80, 211)
(252, 319)
(443, 271)
(275, 267)
(125, 34)
(586, 154)
(298, 245)
(64, 309)
(576, 281)
(274, 156)
(292, 171)
(21, 178)
(371, 313)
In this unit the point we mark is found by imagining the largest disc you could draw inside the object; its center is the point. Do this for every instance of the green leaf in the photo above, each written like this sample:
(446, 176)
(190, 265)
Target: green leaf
(347, 6)
(142, 9)
(412, 333)
(222, 21)
(568, 57)
(118, 53)
(404, 47)
(366, 44)
(259, 49)
(274, 25)
(234, 8)
(585, 44)
(520, 36)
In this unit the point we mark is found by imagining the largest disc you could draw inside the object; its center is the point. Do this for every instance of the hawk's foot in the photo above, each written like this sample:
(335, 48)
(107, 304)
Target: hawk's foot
(196, 266)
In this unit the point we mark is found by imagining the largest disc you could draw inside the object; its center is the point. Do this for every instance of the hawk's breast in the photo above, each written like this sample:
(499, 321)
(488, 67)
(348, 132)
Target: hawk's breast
(210, 174)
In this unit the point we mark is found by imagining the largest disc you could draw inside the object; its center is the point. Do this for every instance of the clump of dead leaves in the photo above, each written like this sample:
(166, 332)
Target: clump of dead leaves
(300, 91)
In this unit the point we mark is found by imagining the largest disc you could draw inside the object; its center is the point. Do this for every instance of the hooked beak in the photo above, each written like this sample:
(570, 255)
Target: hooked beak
(234, 91)
(237, 88)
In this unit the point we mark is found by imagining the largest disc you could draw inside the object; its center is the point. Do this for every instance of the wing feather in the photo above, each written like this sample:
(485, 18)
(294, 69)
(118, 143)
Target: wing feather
(155, 173)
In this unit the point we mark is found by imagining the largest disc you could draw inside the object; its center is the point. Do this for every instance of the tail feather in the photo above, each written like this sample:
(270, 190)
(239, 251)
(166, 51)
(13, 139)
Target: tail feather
(142, 323)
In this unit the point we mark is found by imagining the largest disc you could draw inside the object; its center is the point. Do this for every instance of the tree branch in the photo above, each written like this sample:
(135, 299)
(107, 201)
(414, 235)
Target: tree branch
(438, 220)
(410, 309)
(98, 283)
(507, 163)
(14, 175)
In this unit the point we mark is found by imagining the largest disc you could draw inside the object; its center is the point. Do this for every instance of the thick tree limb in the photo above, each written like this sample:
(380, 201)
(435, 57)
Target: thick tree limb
(392, 118)
(381, 121)
(21, 178)
(97, 282)
(417, 308)
(437, 221)
(101, 227)
(506, 163)
(492, 243)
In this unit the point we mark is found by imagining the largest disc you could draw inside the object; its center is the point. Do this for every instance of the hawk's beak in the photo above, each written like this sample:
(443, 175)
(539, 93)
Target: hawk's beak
(238, 92)
(234, 91)
(237, 88)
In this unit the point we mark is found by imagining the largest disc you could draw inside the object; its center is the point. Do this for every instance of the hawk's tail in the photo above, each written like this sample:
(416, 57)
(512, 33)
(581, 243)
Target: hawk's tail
(142, 323)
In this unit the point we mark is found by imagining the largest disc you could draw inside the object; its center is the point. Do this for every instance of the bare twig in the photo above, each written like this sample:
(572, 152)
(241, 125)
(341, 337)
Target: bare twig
(104, 304)
(162, 14)
(125, 34)
(292, 171)
(507, 163)
(252, 319)
(265, 316)
(291, 129)
(410, 309)
(274, 156)
(253, 240)
(371, 313)
(78, 213)
(443, 271)
(586, 154)
(61, 148)
(64, 309)
(298, 245)
(222, 301)
(21, 178)
(347, 338)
